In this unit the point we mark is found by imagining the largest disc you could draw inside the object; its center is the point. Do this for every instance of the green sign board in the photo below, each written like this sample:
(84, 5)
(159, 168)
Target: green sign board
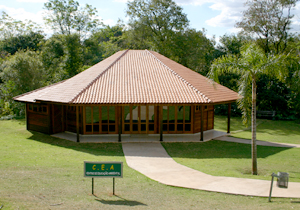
(103, 169)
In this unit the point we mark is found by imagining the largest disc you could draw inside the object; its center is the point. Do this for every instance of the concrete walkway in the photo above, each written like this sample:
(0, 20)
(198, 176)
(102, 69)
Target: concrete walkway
(258, 142)
(113, 138)
(152, 160)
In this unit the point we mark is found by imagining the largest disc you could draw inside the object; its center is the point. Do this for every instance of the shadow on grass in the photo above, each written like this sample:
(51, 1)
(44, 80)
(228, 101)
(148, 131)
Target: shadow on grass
(121, 202)
(210, 149)
(97, 149)
(218, 149)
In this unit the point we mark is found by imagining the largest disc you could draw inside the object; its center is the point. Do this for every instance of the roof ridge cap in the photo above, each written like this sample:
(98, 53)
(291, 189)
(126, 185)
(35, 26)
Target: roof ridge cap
(180, 77)
(97, 77)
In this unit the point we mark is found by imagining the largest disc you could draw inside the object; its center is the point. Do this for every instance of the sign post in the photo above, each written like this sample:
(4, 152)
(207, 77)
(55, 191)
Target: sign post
(103, 170)
(93, 186)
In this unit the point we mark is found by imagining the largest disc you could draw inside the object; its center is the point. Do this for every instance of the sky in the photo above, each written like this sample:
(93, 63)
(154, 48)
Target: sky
(217, 17)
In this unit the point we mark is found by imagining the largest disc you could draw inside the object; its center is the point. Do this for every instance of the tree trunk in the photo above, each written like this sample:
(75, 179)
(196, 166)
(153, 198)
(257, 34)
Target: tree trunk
(253, 124)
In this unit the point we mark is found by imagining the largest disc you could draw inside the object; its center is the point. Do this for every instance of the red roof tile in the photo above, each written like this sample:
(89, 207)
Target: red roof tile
(134, 76)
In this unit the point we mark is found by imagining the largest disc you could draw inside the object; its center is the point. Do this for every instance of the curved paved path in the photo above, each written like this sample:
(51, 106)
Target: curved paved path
(152, 160)
(258, 142)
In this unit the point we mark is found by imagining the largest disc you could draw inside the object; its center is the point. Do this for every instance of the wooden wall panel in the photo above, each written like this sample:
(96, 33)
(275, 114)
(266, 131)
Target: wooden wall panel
(57, 118)
(197, 122)
(37, 128)
(38, 121)
(208, 119)
(205, 120)
(71, 119)
(210, 123)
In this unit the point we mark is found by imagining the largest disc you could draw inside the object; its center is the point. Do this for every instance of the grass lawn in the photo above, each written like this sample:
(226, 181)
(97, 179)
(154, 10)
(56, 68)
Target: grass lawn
(220, 158)
(267, 130)
(42, 172)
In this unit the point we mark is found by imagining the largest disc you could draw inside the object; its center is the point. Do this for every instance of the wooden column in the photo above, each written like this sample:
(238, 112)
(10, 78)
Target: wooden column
(77, 123)
(161, 122)
(66, 118)
(49, 108)
(63, 126)
(228, 118)
(202, 122)
(27, 115)
(120, 123)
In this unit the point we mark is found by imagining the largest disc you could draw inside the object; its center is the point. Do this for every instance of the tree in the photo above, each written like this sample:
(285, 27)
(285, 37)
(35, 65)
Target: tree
(250, 65)
(10, 27)
(66, 17)
(22, 72)
(192, 49)
(53, 57)
(30, 41)
(103, 43)
(293, 80)
(16, 35)
(137, 39)
(108, 33)
(160, 25)
(270, 21)
(231, 43)
(270, 91)
(158, 21)
(62, 57)
(74, 55)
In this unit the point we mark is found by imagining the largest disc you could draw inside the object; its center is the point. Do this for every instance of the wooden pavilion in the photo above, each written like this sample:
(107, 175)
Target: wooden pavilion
(131, 92)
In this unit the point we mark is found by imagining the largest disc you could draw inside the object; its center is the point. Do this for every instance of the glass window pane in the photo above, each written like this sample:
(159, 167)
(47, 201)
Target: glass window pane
(95, 114)
(126, 114)
(112, 128)
(88, 128)
(104, 114)
(187, 127)
(165, 127)
(171, 127)
(179, 127)
(143, 113)
(112, 114)
(151, 127)
(104, 128)
(180, 114)
(143, 127)
(187, 114)
(171, 114)
(151, 114)
(127, 127)
(96, 128)
(88, 115)
(135, 127)
(165, 114)
(135, 114)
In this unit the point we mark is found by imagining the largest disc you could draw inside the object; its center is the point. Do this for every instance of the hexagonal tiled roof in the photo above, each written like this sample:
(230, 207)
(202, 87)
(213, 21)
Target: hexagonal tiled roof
(134, 77)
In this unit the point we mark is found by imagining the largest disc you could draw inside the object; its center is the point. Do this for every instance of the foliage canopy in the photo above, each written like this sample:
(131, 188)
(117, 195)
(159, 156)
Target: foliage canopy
(270, 21)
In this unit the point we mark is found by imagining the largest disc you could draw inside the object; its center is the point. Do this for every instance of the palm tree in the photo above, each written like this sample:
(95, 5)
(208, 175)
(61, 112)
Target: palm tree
(250, 64)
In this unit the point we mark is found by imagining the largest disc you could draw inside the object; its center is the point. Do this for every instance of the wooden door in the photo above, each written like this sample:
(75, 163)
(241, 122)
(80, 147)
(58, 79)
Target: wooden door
(139, 119)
